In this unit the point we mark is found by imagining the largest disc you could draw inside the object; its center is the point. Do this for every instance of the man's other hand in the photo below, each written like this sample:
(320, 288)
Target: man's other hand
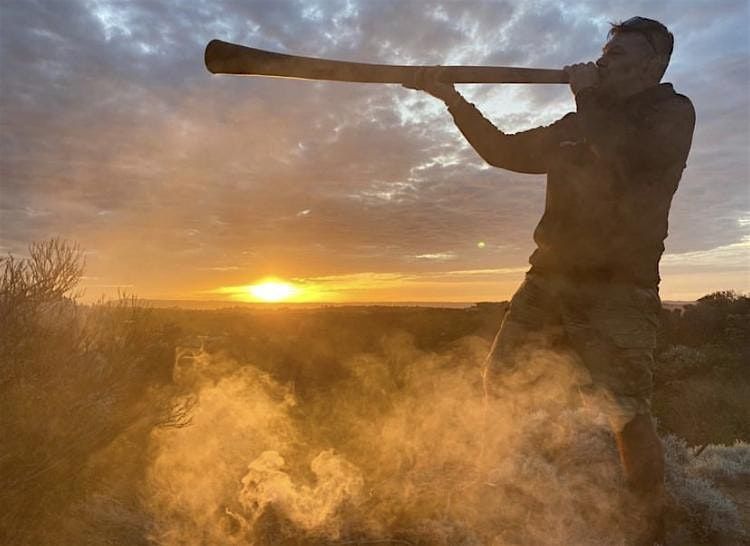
(582, 76)
(428, 79)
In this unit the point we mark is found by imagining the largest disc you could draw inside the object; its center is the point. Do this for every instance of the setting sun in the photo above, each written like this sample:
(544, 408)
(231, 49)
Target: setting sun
(272, 291)
(275, 290)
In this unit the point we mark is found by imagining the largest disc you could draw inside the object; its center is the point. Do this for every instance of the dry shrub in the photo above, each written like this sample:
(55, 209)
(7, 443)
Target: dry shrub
(73, 380)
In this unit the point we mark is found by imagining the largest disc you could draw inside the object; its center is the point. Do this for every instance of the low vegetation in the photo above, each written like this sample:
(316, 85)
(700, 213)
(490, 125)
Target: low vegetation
(121, 424)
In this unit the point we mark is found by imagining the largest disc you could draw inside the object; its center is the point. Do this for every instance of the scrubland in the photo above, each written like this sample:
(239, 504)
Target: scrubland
(123, 424)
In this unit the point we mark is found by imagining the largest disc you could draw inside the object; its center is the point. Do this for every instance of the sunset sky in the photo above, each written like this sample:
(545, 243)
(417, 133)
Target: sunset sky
(181, 184)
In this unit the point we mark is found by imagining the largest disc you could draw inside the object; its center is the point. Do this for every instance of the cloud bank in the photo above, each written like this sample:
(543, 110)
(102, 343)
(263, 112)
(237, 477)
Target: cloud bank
(178, 181)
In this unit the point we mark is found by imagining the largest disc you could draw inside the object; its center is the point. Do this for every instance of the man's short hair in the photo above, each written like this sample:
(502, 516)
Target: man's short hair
(660, 39)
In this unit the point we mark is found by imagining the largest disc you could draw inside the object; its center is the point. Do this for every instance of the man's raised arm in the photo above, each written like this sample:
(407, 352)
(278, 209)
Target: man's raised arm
(524, 152)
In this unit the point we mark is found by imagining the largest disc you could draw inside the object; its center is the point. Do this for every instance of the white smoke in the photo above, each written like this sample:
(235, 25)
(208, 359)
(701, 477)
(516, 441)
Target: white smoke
(312, 508)
(402, 447)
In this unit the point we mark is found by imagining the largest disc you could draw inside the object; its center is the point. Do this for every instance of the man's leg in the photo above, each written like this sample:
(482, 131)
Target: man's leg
(613, 328)
(621, 386)
(531, 311)
(642, 456)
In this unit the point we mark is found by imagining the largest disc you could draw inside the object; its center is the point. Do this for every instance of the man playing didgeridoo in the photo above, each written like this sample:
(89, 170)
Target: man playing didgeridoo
(612, 168)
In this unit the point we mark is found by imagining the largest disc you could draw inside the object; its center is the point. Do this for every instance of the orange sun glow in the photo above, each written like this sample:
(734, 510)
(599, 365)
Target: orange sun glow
(272, 291)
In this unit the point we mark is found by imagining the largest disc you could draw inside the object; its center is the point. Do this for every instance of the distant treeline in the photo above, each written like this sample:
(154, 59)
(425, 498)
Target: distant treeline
(720, 319)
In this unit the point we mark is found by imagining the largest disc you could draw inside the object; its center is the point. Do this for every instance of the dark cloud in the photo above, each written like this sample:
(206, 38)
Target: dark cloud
(115, 135)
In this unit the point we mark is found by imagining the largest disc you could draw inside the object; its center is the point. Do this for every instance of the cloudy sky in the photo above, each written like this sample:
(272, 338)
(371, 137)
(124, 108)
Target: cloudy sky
(181, 184)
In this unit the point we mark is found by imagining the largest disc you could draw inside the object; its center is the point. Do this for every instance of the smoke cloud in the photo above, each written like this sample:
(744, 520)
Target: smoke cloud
(400, 448)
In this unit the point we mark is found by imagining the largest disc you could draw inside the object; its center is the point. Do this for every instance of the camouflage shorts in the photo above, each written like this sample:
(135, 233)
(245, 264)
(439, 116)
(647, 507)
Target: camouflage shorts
(610, 326)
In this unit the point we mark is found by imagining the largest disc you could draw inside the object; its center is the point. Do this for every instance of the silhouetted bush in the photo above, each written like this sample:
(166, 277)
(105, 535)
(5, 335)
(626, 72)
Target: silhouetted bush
(74, 378)
(718, 319)
(37, 297)
(702, 370)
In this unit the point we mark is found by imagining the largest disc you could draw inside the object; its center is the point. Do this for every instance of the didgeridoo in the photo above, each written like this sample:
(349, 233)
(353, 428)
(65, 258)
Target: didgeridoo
(227, 58)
